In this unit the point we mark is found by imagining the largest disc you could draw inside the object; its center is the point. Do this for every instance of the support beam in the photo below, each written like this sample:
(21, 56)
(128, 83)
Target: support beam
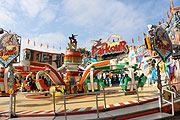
(91, 78)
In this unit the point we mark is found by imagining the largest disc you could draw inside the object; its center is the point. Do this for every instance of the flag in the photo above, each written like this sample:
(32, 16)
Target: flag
(144, 35)
(172, 4)
(41, 45)
(59, 47)
(132, 40)
(47, 46)
(139, 39)
(28, 41)
(170, 8)
(160, 23)
(167, 14)
(34, 43)
(53, 46)
(162, 20)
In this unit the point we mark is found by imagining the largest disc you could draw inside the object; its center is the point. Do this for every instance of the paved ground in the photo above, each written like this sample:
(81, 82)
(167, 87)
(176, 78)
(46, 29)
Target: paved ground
(102, 115)
(45, 104)
(114, 113)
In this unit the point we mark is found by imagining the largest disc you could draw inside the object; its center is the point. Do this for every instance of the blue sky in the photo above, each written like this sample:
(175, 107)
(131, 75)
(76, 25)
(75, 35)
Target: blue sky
(53, 21)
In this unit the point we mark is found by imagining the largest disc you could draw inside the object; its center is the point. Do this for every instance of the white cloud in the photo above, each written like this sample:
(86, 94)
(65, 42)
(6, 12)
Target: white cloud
(43, 11)
(47, 15)
(33, 7)
(108, 15)
(6, 17)
(8, 4)
(50, 39)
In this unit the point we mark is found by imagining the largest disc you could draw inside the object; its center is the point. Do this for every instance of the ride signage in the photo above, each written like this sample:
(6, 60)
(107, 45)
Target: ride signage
(9, 48)
(162, 43)
(106, 48)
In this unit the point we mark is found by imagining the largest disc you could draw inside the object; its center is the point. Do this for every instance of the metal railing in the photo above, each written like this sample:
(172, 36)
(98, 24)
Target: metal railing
(172, 95)
(12, 110)
(172, 100)
(134, 90)
(92, 93)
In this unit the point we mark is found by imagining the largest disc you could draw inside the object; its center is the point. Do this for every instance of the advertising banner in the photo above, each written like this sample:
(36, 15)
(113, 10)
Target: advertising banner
(162, 43)
(9, 48)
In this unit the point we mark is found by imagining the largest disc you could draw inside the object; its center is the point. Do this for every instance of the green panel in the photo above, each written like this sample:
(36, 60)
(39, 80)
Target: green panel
(38, 86)
(1, 87)
(72, 61)
(119, 66)
(96, 82)
(102, 68)
(115, 71)
(126, 80)
(141, 84)
(126, 63)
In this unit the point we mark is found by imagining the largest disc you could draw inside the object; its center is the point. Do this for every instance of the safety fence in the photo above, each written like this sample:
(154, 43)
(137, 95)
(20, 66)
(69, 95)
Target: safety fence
(170, 95)
(64, 100)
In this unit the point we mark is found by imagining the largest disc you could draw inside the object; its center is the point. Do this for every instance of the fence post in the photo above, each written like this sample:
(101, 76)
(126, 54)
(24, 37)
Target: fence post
(104, 98)
(15, 104)
(65, 114)
(54, 107)
(97, 105)
(172, 100)
(10, 105)
(137, 95)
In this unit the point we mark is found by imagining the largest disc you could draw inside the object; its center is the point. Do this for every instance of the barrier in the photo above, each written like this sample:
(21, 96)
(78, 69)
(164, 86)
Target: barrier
(169, 96)
(65, 102)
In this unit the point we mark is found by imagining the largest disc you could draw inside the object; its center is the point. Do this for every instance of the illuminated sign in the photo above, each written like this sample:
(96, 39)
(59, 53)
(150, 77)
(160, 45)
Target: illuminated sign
(113, 45)
(9, 48)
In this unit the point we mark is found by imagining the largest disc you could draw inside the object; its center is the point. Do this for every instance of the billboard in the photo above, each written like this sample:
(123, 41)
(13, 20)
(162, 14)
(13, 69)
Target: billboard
(113, 45)
(162, 43)
(9, 48)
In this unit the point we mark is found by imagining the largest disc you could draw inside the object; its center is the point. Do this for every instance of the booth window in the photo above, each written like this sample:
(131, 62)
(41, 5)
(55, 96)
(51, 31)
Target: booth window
(44, 57)
(37, 57)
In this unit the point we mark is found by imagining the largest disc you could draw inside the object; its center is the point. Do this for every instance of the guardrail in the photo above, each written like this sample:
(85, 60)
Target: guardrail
(172, 95)
(172, 100)
(93, 93)
(13, 111)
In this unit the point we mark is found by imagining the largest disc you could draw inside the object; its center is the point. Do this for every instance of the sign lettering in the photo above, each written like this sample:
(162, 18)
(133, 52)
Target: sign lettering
(107, 48)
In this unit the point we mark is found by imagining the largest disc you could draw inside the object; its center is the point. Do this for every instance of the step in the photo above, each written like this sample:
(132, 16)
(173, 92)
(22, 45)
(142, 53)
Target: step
(154, 116)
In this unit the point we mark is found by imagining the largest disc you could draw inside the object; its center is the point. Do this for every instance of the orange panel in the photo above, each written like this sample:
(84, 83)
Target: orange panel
(103, 63)
(52, 69)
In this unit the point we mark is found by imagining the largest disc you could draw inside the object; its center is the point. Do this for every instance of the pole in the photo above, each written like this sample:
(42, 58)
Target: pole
(65, 114)
(11, 90)
(137, 95)
(159, 86)
(172, 99)
(104, 99)
(91, 78)
(97, 105)
(14, 104)
(54, 107)
(10, 105)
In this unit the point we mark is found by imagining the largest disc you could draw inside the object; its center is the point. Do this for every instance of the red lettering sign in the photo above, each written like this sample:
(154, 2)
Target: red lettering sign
(105, 48)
